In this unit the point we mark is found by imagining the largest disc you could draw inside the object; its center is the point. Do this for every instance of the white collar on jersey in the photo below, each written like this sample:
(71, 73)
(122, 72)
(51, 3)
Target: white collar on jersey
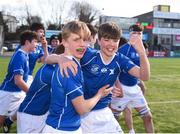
(23, 51)
(103, 59)
(71, 58)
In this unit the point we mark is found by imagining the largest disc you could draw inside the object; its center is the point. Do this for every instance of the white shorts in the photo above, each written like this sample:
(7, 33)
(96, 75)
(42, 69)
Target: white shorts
(30, 80)
(10, 102)
(100, 122)
(27, 123)
(49, 129)
(133, 98)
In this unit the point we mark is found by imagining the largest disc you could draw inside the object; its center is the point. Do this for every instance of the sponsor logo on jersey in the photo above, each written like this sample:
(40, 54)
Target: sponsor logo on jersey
(111, 71)
(104, 70)
(94, 69)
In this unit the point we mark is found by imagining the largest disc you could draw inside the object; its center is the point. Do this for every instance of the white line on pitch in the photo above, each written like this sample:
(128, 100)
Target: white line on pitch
(163, 102)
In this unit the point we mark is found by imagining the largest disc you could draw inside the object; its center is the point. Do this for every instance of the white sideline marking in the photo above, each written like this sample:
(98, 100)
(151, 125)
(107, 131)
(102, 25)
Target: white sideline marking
(163, 102)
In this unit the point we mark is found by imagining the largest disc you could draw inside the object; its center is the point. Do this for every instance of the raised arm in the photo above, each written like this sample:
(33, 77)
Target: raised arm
(83, 106)
(142, 72)
(44, 46)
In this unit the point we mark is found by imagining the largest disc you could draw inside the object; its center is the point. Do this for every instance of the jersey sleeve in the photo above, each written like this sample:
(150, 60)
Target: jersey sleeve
(124, 49)
(18, 64)
(125, 63)
(89, 54)
(40, 52)
(73, 85)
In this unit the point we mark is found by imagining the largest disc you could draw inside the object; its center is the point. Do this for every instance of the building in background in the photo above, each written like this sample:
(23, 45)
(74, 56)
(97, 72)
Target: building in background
(122, 22)
(11, 22)
(161, 29)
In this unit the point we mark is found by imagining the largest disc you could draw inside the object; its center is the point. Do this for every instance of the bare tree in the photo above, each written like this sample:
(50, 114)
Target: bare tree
(36, 19)
(28, 14)
(84, 11)
(1, 32)
(29, 17)
(52, 11)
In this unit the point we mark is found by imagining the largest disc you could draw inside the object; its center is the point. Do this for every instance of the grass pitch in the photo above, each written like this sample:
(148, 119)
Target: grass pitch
(163, 95)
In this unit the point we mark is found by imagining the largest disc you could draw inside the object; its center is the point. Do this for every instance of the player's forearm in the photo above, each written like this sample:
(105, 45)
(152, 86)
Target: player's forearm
(21, 84)
(46, 53)
(52, 59)
(83, 106)
(90, 103)
(144, 67)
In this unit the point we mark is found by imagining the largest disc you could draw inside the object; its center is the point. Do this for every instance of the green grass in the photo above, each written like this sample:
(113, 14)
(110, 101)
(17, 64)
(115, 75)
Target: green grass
(164, 85)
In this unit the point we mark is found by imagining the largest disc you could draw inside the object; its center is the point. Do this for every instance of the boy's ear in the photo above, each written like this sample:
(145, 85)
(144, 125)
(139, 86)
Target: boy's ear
(99, 42)
(27, 42)
(64, 43)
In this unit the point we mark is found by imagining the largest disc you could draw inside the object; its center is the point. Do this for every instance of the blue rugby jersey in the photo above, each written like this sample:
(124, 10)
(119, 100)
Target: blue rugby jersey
(18, 65)
(131, 53)
(98, 74)
(34, 56)
(62, 114)
(38, 97)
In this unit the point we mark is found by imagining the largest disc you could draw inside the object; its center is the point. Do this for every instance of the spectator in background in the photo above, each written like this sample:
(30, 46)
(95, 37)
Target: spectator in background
(55, 40)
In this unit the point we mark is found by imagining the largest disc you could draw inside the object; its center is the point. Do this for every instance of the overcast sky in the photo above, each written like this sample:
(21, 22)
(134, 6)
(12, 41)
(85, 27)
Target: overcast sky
(122, 8)
(130, 8)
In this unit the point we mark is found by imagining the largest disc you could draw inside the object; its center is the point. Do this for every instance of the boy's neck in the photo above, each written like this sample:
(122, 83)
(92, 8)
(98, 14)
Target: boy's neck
(25, 49)
(70, 56)
(106, 59)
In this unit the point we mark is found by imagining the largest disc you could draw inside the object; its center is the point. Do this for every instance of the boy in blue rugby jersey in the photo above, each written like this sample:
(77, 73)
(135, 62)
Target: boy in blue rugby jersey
(41, 51)
(36, 103)
(133, 96)
(14, 87)
(67, 100)
(39, 55)
(101, 68)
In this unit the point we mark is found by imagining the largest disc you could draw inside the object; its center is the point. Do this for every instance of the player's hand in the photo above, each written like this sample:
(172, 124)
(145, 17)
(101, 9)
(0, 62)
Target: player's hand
(136, 41)
(117, 92)
(43, 41)
(65, 63)
(105, 90)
